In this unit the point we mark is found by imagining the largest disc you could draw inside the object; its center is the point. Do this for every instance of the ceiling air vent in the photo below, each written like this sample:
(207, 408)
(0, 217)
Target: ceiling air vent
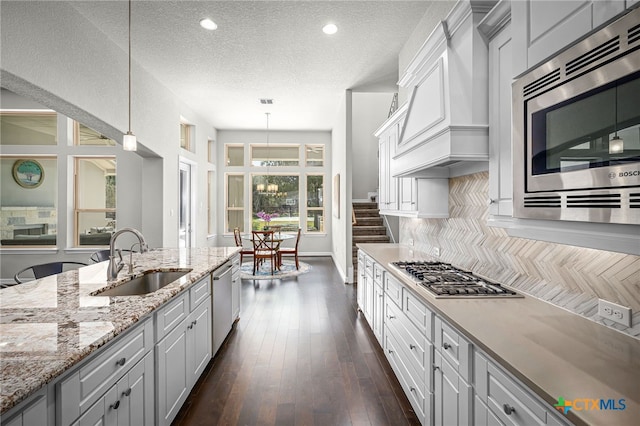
(546, 201)
(634, 200)
(633, 34)
(266, 101)
(587, 60)
(542, 82)
(609, 201)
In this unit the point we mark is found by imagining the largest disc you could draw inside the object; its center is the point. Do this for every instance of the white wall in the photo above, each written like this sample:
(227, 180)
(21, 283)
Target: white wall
(310, 244)
(369, 110)
(341, 161)
(54, 56)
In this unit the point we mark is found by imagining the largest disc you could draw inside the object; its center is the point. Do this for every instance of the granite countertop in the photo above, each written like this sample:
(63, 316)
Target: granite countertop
(49, 325)
(554, 352)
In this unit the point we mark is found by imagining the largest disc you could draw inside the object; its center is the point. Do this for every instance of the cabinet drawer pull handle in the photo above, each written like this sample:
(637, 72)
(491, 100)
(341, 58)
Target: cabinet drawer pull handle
(127, 392)
(115, 405)
(412, 346)
(391, 317)
(381, 295)
(446, 345)
(412, 389)
(190, 326)
(195, 322)
(508, 410)
(435, 368)
(390, 351)
(121, 361)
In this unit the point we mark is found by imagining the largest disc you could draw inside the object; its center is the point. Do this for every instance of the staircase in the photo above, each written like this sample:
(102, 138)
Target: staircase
(367, 229)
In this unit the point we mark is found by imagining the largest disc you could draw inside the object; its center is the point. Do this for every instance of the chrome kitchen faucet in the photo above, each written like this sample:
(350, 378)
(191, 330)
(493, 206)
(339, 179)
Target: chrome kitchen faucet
(115, 267)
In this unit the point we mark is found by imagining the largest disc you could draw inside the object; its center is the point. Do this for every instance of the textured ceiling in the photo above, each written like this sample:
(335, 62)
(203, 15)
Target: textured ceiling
(263, 49)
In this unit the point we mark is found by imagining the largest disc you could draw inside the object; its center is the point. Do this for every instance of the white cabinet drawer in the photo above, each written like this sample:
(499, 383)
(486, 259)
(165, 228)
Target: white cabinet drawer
(419, 398)
(413, 344)
(84, 387)
(393, 289)
(368, 265)
(200, 291)
(171, 315)
(454, 348)
(378, 274)
(507, 400)
(418, 313)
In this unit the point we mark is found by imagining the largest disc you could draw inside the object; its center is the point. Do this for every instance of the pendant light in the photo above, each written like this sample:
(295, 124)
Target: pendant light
(271, 188)
(616, 144)
(129, 142)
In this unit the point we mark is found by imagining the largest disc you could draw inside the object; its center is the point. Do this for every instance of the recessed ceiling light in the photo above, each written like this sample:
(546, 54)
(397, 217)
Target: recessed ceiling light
(208, 24)
(330, 29)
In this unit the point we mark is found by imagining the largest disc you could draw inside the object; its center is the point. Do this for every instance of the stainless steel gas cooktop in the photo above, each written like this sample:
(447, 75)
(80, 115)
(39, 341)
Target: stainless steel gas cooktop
(446, 281)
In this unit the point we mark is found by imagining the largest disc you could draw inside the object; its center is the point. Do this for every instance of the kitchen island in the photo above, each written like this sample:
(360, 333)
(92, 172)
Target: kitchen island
(50, 325)
(555, 356)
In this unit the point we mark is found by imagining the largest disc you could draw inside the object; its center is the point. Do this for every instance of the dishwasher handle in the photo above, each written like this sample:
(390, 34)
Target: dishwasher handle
(218, 275)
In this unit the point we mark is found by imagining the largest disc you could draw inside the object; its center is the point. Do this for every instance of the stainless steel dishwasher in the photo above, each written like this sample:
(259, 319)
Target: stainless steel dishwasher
(221, 305)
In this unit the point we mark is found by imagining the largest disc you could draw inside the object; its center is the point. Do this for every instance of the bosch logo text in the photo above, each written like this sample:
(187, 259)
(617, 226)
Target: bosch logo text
(624, 174)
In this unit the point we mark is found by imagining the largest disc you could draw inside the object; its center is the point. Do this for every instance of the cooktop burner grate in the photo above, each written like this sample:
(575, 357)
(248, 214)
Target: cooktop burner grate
(447, 281)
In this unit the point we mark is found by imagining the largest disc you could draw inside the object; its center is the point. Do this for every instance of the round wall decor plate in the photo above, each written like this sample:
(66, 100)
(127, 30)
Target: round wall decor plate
(28, 173)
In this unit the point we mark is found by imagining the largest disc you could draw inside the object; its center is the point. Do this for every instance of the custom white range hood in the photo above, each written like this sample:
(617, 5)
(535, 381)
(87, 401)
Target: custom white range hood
(446, 131)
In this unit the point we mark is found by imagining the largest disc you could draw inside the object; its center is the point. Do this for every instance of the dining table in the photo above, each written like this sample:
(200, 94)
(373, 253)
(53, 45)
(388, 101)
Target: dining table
(278, 237)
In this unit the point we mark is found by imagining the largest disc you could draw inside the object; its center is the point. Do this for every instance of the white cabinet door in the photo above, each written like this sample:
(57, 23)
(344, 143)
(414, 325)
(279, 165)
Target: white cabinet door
(172, 373)
(200, 336)
(32, 413)
(102, 412)
(378, 312)
(408, 192)
(500, 124)
(136, 394)
(452, 395)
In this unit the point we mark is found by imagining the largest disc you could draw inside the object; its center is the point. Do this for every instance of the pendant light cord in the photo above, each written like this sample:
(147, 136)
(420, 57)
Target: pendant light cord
(129, 66)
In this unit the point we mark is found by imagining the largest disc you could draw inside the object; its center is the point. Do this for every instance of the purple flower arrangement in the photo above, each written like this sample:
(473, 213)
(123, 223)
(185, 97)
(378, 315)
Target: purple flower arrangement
(266, 216)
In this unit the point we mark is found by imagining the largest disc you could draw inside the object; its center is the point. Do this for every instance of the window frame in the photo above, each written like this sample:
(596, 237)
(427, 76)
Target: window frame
(283, 173)
(78, 211)
(189, 138)
(306, 156)
(226, 201)
(323, 209)
(278, 145)
(226, 153)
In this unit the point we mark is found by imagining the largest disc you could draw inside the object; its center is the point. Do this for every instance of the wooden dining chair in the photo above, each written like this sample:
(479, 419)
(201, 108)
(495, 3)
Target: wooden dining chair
(244, 251)
(46, 269)
(285, 251)
(264, 247)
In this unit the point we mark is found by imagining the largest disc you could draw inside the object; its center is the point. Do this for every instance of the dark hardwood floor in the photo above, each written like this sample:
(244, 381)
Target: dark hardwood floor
(299, 355)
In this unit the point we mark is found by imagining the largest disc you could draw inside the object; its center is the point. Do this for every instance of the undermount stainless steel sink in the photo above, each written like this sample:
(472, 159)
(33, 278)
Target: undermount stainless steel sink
(145, 284)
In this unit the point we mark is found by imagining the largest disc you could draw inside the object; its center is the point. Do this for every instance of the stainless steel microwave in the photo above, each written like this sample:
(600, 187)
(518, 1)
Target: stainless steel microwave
(576, 131)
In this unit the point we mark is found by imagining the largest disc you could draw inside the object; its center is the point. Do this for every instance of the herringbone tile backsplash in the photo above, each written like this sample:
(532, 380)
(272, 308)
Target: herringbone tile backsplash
(567, 276)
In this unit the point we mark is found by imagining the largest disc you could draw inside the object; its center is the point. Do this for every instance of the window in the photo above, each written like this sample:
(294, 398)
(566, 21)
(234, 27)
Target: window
(94, 200)
(187, 135)
(278, 195)
(28, 215)
(83, 135)
(315, 203)
(275, 155)
(28, 128)
(235, 202)
(235, 155)
(314, 155)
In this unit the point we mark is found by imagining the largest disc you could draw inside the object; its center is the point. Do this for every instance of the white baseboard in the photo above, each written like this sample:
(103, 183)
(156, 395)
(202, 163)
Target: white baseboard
(344, 275)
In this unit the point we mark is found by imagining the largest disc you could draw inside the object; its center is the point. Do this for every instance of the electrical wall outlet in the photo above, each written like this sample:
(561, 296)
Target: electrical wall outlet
(614, 312)
(436, 251)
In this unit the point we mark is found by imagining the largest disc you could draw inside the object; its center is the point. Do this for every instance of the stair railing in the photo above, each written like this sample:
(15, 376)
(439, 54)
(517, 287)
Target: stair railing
(386, 225)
